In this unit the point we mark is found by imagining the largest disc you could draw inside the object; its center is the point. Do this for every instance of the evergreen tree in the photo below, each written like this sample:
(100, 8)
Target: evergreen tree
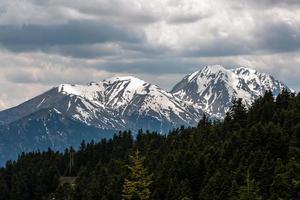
(63, 192)
(4, 190)
(137, 186)
(237, 114)
(204, 122)
(249, 191)
(184, 190)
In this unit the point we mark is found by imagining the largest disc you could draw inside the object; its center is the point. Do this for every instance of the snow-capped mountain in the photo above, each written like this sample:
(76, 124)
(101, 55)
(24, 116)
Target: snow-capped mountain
(213, 88)
(67, 114)
(117, 103)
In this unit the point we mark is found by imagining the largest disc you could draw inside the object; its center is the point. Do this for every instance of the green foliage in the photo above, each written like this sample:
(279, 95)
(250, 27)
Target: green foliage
(249, 191)
(137, 186)
(253, 154)
(63, 192)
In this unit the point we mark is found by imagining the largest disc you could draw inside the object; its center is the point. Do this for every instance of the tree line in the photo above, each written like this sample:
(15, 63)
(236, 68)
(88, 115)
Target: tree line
(252, 154)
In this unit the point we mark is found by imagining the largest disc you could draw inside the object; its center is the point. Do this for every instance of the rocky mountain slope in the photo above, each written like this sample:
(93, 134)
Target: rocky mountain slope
(46, 128)
(213, 88)
(67, 114)
(117, 103)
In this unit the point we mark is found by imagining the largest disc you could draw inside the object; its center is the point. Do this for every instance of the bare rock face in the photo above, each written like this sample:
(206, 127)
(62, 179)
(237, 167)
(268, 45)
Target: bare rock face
(213, 88)
(68, 114)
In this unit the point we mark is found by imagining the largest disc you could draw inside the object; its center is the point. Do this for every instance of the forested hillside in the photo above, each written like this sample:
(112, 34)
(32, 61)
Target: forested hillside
(252, 154)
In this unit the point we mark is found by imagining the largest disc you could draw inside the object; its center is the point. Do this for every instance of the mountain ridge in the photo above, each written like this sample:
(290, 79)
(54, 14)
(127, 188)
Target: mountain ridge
(69, 113)
(122, 99)
(213, 88)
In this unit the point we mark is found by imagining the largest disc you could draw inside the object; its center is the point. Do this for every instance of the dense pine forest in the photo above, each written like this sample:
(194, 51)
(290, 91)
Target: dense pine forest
(253, 154)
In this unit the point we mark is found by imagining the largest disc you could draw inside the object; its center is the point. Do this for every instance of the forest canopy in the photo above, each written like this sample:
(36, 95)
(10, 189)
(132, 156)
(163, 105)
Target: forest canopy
(253, 154)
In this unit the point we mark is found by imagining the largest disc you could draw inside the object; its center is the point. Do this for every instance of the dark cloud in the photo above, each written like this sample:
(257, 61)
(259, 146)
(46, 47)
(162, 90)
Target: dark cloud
(86, 51)
(264, 4)
(153, 66)
(123, 50)
(82, 38)
(147, 49)
(33, 37)
(220, 47)
(278, 2)
(278, 37)
(184, 19)
(119, 10)
(268, 38)
(23, 77)
(118, 49)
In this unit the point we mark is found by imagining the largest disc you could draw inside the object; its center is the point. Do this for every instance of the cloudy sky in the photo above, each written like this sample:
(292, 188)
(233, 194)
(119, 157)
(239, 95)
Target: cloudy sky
(45, 43)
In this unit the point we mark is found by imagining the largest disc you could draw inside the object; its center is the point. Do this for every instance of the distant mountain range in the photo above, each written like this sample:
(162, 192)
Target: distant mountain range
(67, 114)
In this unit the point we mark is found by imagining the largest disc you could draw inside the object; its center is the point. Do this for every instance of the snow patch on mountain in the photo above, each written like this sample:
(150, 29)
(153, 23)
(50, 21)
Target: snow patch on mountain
(121, 103)
(116, 103)
(213, 88)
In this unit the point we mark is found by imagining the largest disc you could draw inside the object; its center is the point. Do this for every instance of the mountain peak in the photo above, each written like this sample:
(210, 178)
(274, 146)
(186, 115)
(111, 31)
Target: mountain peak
(130, 83)
(127, 102)
(212, 69)
(214, 87)
(117, 103)
(206, 71)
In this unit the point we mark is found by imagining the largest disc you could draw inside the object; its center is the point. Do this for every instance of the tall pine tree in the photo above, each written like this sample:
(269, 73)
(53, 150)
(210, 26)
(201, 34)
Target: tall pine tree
(136, 187)
(249, 191)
